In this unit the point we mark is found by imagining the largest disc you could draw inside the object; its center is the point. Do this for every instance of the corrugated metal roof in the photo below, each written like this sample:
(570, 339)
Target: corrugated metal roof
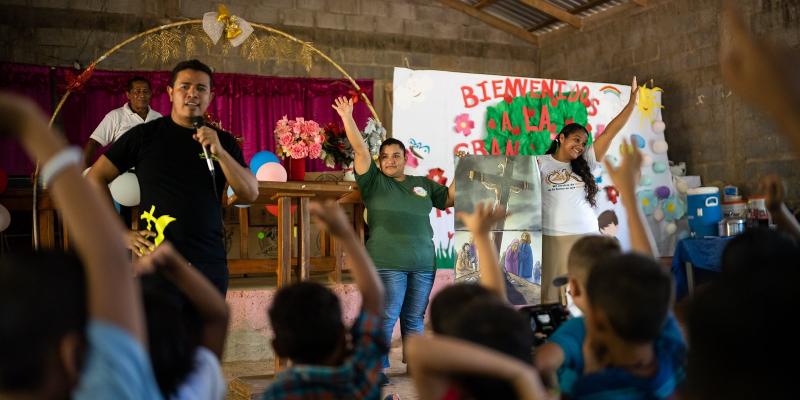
(526, 17)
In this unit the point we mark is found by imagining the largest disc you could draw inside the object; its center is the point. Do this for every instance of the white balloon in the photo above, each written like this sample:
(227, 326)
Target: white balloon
(659, 126)
(660, 147)
(125, 189)
(658, 214)
(647, 160)
(671, 228)
(5, 218)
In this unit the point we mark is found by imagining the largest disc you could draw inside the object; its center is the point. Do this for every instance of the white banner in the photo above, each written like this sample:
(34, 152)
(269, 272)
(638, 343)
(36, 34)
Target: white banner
(438, 114)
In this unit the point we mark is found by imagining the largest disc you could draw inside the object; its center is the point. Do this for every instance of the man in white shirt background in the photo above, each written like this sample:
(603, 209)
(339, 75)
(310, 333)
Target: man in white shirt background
(136, 111)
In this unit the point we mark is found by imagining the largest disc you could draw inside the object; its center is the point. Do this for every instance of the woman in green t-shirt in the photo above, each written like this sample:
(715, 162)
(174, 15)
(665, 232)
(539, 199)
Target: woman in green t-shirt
(401, 237)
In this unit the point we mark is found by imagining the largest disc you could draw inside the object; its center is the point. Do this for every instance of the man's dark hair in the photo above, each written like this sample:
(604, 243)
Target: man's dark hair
(42, 299)
(489, 322)
(447, 303)
(307, 320)
(135, 79)
(390, 142)
(173, 328)
(755, 247)
(191, 64)
(635, 294)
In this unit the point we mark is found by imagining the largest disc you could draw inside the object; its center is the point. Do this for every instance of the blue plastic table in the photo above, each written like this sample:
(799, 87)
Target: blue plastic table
(703, 253)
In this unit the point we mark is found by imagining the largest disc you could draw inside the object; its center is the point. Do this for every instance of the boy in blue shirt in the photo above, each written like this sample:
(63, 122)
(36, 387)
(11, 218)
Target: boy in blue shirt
(49, 347)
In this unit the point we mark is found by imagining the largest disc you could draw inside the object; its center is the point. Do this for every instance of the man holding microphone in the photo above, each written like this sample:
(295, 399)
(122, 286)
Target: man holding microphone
(175, 179)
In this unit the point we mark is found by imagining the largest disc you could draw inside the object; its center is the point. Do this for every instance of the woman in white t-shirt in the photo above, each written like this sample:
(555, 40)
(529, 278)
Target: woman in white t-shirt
(568, 192)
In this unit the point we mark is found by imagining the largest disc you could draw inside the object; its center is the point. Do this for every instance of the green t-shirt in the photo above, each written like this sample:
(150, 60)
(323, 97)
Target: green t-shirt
(400, 233)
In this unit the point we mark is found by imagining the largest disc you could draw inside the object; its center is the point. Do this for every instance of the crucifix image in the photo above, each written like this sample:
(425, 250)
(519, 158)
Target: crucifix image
(503, 185)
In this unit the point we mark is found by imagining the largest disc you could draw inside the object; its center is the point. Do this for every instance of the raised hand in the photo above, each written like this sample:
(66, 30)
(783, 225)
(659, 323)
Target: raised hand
(332, 217)
(139, 243)
(774, 191)
(483, 218)
(343, 106)
(634, 92)
(626, 176)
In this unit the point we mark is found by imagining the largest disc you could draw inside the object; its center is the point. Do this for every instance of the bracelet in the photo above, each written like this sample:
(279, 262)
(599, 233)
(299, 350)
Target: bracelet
(64, 158)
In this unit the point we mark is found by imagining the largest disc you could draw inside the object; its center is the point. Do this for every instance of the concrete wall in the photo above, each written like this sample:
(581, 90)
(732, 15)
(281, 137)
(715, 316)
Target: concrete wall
(676, 42)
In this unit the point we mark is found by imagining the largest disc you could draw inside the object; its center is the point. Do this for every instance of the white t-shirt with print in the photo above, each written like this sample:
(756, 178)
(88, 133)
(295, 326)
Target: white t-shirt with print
(565, 210)
(119, 121)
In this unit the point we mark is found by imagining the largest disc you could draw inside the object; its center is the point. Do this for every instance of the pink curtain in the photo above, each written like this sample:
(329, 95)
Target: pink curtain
(246, 105)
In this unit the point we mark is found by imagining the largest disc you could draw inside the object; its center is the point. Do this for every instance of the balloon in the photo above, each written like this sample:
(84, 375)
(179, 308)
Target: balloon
(659, 167)
(671, 228)
(231, 193)
(658, 214)
(273, 209)
(647, 160)
(660, 147)
(125, 189)
(646, 180)
(659, 126)
(682, 186)
(261, 158)
(662, 192)
(3, 180)
(5, 218)
(638, 141)
(271, 172)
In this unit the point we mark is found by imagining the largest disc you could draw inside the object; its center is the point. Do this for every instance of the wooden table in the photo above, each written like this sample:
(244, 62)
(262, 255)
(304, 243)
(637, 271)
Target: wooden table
(21, 199)
(284, 194)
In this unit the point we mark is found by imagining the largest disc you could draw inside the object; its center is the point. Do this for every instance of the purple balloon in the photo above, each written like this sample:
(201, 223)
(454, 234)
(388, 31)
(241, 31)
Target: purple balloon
(662, 192)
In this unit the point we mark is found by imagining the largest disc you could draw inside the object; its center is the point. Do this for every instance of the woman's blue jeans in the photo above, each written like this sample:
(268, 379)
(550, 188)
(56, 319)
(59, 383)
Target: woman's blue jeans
(407, 296)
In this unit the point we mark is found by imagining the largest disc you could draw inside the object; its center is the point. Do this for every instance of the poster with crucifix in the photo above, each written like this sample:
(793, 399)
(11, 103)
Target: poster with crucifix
(513, 183)
(438, 114)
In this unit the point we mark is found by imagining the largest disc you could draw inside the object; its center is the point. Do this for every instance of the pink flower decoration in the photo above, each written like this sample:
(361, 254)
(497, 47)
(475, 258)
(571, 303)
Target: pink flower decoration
(314, 150)
(298, 150)
(464, 125)
(285, 139)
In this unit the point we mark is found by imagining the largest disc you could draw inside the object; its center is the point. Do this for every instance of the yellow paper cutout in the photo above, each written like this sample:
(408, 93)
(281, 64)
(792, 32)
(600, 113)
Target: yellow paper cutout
(160, 222)
(647, 104)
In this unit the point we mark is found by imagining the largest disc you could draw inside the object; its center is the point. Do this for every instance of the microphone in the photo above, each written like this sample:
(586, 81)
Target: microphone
(198, 122)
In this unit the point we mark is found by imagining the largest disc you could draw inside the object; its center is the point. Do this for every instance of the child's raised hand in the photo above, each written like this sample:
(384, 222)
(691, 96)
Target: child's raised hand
(343, 106)
(331, 217)
(773, 190)
(164, 258)
(626, 176)
(634, 92)
(483, 218)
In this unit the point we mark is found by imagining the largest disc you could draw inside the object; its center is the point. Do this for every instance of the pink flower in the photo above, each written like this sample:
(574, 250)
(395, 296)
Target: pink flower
(464, 125)
(285, 139)
(298, 150)
(314, 150)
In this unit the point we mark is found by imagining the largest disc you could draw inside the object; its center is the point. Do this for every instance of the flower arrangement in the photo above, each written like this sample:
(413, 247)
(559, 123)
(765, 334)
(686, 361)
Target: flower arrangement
(337, 149)
(374, 134)
(299, 138)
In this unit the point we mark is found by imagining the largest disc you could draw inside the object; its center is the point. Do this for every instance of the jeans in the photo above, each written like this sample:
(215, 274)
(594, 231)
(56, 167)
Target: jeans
(407, 296)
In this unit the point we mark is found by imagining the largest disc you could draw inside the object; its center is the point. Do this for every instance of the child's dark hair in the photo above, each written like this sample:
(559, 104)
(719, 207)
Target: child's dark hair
(579, 165)
(587, 252)
(489, 322)
(447, 303)
(307, 321)
(737, 328)
(191, 64)
(390, 142)
(42, 299)
(135, 79)
(634, 292)
(755, 247)
(173, 328)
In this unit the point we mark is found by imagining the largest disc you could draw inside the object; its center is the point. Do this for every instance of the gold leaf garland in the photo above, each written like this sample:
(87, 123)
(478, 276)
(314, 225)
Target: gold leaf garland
(185, 42)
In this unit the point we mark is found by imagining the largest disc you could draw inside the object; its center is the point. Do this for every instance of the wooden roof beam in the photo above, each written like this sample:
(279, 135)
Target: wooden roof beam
(555, 12)
(484, 3)
(492, 21)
